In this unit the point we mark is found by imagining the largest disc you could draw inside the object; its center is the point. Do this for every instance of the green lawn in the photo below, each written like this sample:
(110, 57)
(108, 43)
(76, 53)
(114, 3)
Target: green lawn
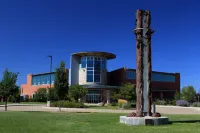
(43, 122)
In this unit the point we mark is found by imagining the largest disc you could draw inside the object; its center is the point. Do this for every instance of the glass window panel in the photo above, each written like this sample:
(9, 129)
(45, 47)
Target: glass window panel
(89, 78)
(91, 68)
(163, 77)
(130, 75)
(89, 72)
(96, 72)
(83, 64)
(97, 64)
(89, 63)
(96, 78)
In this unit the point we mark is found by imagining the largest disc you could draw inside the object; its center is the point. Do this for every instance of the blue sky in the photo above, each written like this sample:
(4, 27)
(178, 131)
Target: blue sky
(32, 29)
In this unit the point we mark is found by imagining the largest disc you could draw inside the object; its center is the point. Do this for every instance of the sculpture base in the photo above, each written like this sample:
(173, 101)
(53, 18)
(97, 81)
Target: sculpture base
(147, 120)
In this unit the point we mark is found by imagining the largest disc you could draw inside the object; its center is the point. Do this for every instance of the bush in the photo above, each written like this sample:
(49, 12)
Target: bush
(114, 104)
(122, 101)
(67, 104)
(160, 102)
(182, 103)
(126, 91)
(41, 95)
(127, 105)
(196, 104)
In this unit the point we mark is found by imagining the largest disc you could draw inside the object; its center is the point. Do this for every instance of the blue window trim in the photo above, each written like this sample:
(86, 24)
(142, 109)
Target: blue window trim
(156, 77)
(42, 79)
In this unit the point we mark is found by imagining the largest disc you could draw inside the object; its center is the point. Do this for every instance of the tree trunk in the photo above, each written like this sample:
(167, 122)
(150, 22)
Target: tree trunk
(5, 104)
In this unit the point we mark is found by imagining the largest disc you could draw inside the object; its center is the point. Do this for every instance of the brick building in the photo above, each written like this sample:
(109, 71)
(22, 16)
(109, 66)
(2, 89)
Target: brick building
(164, 85)
(89, 69)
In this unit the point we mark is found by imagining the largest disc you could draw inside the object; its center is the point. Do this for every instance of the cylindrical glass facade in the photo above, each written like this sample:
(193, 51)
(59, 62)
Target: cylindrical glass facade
(93, 66)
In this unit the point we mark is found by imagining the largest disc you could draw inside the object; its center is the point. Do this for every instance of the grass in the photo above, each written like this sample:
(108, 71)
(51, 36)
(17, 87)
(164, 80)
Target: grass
(43, 122)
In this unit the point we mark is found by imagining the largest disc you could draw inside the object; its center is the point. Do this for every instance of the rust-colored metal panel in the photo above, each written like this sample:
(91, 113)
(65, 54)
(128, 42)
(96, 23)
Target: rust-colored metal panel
(148, 37)
(139, 62)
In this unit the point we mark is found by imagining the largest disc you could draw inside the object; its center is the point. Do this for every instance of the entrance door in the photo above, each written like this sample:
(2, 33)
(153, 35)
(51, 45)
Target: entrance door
(93, 98)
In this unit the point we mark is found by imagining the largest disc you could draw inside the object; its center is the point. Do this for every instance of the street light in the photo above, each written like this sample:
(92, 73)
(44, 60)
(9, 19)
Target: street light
(50, 68)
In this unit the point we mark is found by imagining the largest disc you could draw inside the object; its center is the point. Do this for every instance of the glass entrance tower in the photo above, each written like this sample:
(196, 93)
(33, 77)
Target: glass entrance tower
(89, 68)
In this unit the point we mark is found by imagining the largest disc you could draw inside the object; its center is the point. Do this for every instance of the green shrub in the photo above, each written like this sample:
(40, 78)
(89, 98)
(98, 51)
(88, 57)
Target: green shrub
(196, 104)
(126, 105)
(114, 104)
(67, 104)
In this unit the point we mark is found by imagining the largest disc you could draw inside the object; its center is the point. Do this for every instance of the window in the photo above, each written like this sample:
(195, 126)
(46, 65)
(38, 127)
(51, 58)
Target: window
(89, 78)
(93, 66)
(131, 75)
(83, 62)
(159, 77)
(163, 77)
(97, 78)
(42, 79)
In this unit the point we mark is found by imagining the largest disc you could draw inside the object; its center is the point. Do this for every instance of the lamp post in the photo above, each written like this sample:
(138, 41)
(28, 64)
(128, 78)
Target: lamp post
(50, 67)
(48, 102)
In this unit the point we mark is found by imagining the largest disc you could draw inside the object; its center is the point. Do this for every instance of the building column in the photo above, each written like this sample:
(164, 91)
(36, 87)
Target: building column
(108, 96)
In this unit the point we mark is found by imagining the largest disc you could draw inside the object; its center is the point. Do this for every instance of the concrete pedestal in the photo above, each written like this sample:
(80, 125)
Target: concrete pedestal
(144, 120)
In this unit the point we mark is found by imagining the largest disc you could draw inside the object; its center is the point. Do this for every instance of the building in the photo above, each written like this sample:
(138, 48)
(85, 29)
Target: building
(36, 81)
(164, 85)
(89, 69)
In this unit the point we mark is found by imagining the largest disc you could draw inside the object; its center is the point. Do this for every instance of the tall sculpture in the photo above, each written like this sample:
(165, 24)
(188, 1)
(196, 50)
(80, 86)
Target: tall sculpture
(143, 34)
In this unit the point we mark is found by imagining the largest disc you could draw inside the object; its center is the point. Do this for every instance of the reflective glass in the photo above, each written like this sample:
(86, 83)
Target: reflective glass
(89, 78)
(96, 78)
(89, 72)
(89, 63)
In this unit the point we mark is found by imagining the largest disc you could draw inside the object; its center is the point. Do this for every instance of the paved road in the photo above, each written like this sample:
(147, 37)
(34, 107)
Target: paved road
(160, 109)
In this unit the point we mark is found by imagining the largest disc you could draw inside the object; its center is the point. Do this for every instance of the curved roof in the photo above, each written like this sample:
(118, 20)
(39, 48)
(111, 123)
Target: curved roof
(96, 53)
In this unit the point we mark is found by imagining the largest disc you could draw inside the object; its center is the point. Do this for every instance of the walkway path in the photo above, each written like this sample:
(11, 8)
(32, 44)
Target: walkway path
(160, 109)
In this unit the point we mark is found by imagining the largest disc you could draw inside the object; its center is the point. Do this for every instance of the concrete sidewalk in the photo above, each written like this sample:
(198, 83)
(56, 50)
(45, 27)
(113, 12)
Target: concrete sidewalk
(160, 109)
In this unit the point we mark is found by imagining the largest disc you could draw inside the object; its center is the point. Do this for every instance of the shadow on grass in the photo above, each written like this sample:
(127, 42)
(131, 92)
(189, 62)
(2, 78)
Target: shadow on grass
(184, 121)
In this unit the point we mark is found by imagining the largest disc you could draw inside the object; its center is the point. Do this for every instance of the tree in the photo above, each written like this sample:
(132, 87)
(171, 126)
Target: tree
(52, 94)
(61, 82)
(15, 94)
(188, 93)
(77, 92)
(127, 91)
(177, 95)
(8, 85)
(41, 95)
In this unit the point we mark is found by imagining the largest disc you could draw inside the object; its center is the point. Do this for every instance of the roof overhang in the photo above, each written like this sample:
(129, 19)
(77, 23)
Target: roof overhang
(96, 53)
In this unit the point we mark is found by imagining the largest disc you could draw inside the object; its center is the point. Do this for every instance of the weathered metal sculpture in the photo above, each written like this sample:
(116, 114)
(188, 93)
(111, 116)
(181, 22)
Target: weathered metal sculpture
(143, 34)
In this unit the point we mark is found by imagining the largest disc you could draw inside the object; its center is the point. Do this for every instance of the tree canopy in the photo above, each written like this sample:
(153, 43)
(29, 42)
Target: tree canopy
(77, 92)
(8, 85)
(188, 93)
(127, 91)
(61, 81)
